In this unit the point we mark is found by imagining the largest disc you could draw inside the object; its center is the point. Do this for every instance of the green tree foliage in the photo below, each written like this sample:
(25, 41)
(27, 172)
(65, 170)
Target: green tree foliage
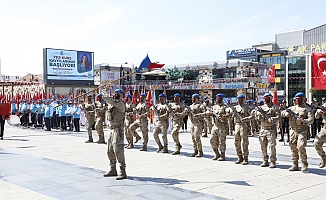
(174, 74)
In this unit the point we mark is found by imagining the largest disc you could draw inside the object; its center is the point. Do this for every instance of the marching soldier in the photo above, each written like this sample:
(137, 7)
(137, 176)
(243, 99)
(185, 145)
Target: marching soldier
(220, 129)
(89, 108)
(197, 113)
(162, 124)
(100, 108)
(300, 118)
(320, 139)
(268, 116)
(177, 110)
(142, 111)
(207, 120)
(285, 123)
(129, 119)
(116, 116)
(241, 130)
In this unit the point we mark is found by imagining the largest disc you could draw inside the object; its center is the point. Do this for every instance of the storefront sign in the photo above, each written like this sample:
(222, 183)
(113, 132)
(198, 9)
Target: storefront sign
(241, 52)
(180, 87)
(207, 86)
(308, 48)
(261, 85)
(234, 86)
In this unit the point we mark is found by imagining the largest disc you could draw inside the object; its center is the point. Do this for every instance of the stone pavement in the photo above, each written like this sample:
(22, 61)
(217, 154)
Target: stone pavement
(35, 164)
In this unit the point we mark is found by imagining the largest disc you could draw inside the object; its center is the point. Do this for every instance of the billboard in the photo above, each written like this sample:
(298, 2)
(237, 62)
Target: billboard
(68, 67)
(108, 76)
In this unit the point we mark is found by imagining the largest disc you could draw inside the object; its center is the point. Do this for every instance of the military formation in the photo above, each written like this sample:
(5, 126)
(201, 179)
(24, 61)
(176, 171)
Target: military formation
(217, 121)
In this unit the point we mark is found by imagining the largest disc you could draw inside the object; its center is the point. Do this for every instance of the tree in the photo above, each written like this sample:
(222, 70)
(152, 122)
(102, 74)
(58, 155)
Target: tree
(174, 74)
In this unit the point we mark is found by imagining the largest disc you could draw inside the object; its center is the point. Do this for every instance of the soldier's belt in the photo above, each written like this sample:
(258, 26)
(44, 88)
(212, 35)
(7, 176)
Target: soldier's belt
(268, 127)
(114, 126)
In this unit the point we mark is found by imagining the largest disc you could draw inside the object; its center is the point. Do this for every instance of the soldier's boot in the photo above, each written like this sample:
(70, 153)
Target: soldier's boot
(127, 144)
(272, 165)
(304, 167)
(137, 138)
(165, 150)
(217, 154)
(131, 145)
(264, 164)
(294, 167)
(144, 148)
(195, 153)
(245, 160)
(178, 148)
(200, 154)
(323, 161)
(160, 147)
(123, 174)
(240, 160)
(112, 172)
(90, 139)
(101, 140)
(222, 158)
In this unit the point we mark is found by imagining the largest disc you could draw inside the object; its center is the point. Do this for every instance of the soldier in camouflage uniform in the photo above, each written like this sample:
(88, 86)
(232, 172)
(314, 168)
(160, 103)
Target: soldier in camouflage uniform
(268, 132)
(320, 139)
(100, 108)
(116, 115)
(89, 108)
(129, 119)
(177, 111)
(142, 111)
(241, 130)
(207, 120)
(299, 131)
(220, 129)
(197, 113)
(161, 110)
(252, 121)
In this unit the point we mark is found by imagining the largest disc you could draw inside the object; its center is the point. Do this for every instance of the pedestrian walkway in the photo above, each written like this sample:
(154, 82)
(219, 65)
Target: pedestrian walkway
(35, 164)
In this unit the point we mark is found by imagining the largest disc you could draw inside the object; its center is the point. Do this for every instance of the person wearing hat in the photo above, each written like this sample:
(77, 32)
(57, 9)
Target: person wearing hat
(55, 122)
(316, 125)
(299, 131)
(197, 113)
(33, 109)
(241, 130)
(129, 119)
(207, 120)
(100, 108)
(285, 123)
(25, 113)
(62, 115)
(116, 115)
(141, 122)
(40, 113)
(89, 107)
(48, 113)
(323, 100)
(13, 107)
(320, 139)
(69, 113)
(220, 128)
(177, 112)
(162, 124)
(76, 116)
(268, 130)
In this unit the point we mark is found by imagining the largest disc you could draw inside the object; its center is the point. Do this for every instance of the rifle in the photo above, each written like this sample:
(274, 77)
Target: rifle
(265, 115)
(217, 115)
(191, 112)
(295, 115)
(236, 113)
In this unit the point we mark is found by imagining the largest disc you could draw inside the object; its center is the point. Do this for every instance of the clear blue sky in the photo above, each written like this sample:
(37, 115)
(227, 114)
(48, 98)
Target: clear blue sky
(171, 31)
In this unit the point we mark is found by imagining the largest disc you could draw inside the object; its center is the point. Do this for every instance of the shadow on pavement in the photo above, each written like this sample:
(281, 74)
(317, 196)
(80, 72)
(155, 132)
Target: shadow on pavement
(167, 181)
(243, 183)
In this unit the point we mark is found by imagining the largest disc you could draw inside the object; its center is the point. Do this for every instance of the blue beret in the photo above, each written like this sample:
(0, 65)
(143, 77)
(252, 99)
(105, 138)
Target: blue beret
(195, 95)
(162, 95)
(267, 94)
(206, 100)
(206, 97)
(300, 94)
(119, 91)
(177, 95)
(220, 95)
(240, 96)
(260, 101)
(143, 95)
(89, 95)
(129, 95)
(99, 95)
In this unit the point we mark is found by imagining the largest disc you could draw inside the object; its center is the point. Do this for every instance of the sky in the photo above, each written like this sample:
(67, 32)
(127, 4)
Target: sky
(170, 31)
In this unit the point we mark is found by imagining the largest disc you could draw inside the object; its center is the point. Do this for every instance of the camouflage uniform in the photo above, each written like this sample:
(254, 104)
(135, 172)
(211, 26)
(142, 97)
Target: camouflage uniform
(116, 115)
(268, 132)
(142, 122)
(298, 134)
(219, 131)
(320, 139)
(208, 122)
(241, 132)
(89, 108)
(100, 108)
(197, 127)
(129, 119)
(161, 125)
(178, 113)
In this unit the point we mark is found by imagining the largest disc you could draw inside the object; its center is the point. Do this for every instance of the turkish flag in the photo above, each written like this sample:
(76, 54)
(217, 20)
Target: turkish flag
(318, 70)
(271, 74)
(275, 97)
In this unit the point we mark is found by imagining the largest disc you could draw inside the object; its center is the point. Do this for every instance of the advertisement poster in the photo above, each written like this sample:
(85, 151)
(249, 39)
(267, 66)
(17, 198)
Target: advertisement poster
(69, 65)
(108, 76)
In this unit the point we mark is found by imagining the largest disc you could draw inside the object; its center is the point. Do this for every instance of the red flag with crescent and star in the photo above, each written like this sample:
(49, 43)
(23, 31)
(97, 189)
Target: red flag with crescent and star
(271, 74)
(318, 70)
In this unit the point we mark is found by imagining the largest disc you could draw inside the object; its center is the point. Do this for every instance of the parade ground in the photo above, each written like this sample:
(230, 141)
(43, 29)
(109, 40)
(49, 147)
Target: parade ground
(35, 164)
